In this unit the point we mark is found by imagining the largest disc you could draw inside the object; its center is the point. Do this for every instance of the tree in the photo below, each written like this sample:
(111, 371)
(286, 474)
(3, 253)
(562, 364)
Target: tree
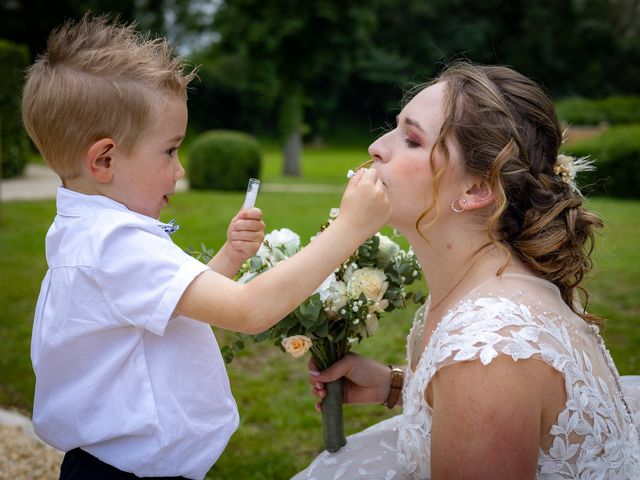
(29, 22)
(295, 45)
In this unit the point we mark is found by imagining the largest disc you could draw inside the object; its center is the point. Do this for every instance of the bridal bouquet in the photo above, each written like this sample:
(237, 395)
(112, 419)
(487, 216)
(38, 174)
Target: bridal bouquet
(345, 309)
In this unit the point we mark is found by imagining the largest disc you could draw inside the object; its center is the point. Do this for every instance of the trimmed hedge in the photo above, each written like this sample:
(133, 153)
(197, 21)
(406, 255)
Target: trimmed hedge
(616, 152)
(223, 160)
(612, 110)
(15, 151)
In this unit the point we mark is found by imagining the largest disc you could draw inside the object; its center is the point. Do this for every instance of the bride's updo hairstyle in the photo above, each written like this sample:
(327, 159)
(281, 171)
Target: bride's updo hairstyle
(508, 134)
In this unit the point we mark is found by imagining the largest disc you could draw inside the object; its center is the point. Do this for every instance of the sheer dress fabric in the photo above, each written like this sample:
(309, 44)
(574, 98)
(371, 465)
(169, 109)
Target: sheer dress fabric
(596, 436)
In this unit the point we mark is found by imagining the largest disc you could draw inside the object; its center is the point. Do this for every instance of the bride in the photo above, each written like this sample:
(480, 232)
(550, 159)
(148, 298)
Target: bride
(507, 374)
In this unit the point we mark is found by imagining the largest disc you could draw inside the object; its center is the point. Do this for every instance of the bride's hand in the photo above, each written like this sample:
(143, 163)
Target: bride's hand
(365, 380)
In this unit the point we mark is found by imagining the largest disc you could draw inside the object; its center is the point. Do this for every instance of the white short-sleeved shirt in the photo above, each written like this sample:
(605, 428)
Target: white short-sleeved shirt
(117, 374)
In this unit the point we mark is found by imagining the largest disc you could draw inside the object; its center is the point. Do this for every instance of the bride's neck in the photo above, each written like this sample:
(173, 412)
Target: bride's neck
(446, 262)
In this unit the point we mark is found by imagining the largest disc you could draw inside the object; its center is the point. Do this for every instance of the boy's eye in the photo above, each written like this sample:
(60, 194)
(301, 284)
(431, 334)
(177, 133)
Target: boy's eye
(411, 144)
(171, 151)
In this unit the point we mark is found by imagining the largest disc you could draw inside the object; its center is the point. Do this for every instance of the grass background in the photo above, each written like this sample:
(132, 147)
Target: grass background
(280, 431)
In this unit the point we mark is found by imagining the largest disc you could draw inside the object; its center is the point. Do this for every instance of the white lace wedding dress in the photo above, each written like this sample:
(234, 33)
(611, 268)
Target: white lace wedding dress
(595, 437)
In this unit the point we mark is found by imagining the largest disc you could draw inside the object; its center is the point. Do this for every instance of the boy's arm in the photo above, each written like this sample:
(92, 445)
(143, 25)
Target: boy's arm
(244, 237)
(255, 306)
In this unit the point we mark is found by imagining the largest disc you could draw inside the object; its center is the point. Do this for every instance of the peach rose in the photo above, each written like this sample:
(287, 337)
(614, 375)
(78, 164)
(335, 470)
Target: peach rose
(297, 345)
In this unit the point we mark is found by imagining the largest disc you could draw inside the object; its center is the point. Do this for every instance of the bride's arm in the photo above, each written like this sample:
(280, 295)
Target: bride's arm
(365, 380)
(488, 420)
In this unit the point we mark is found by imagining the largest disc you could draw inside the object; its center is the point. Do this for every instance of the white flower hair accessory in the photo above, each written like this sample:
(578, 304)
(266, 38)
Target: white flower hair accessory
(567, 167)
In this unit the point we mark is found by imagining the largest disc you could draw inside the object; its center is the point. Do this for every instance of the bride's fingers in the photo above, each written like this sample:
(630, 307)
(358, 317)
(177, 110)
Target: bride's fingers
(338, 370)
(318, 390)
(313, 378)
(313, 371)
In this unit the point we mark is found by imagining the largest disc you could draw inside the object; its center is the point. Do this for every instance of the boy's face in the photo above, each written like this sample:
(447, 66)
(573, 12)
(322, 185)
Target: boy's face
(144, 179)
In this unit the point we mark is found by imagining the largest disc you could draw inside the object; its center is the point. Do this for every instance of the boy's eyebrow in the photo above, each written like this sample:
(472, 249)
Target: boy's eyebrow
(410, 121)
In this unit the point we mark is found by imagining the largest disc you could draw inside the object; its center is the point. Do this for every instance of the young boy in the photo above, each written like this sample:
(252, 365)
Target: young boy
(129, 378)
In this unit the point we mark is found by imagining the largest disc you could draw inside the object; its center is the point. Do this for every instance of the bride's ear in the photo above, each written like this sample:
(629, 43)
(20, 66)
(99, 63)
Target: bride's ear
(478, 195)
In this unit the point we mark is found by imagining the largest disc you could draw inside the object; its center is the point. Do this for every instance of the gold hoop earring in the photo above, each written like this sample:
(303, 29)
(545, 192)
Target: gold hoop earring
(462, 204)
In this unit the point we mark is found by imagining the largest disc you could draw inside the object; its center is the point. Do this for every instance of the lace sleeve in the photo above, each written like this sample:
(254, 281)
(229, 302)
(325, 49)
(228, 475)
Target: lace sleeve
(477, 329)
(595, 416)
(525, 317)
(487, 327)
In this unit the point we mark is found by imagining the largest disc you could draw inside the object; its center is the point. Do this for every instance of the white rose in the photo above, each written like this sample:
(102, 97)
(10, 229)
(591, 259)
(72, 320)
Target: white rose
(388, 249)
(284, 243)
(333, 293)
(297, 345)
(373, 283)
(324, 287)
(265, 254)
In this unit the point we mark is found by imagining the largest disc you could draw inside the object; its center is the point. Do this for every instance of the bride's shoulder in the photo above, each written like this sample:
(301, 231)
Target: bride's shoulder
(520, 315)
(510, 297)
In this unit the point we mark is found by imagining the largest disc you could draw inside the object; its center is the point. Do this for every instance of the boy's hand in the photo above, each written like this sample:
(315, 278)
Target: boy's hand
(365, 206)
(245, 235)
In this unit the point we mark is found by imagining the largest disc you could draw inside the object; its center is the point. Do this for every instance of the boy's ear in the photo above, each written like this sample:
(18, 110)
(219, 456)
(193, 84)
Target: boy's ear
(479, 195)
(99, 160)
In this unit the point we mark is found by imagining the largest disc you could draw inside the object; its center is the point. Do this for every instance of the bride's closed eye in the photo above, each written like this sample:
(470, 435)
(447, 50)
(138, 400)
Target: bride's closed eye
(410, 143)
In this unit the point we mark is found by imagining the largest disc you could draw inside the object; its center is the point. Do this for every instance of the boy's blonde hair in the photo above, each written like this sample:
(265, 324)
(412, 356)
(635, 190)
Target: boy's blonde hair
(97, 79)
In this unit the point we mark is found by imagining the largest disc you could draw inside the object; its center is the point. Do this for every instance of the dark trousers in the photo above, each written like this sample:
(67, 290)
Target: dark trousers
(80, 465)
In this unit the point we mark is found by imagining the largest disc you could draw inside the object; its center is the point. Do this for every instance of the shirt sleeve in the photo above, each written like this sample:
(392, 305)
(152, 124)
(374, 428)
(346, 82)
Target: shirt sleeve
(143, 275)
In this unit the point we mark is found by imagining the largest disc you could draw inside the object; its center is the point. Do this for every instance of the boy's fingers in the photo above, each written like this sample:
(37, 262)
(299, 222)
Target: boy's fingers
(250, 213)
(248, 225)
(370, 174)
(364, 175)
(355, 180)
(245, 237)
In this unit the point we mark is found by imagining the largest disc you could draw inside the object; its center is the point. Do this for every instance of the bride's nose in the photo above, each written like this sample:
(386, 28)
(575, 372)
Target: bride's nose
(378, 151)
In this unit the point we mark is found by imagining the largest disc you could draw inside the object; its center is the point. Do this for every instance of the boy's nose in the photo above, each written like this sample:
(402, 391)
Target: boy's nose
(179, 171)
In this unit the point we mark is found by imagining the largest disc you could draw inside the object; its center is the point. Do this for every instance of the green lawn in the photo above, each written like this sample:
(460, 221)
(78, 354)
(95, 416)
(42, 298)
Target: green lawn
(280, 430)
(319, 165)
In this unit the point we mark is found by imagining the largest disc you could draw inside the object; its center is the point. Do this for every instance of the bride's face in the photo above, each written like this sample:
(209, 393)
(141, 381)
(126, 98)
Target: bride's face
(402, 158)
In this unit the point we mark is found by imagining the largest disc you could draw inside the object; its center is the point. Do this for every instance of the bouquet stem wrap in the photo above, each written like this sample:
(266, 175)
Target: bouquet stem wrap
(332, 422)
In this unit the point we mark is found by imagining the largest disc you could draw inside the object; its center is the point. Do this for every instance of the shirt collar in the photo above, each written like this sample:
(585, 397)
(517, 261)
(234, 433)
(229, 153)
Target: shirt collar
(70, 203)
(75, 204)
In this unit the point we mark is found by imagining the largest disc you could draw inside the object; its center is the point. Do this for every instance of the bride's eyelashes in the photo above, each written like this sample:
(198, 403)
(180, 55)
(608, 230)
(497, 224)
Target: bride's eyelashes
(410, 143)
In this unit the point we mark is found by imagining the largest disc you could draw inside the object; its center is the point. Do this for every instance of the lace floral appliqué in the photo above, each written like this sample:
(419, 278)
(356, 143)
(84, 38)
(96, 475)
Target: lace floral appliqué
(594, 437)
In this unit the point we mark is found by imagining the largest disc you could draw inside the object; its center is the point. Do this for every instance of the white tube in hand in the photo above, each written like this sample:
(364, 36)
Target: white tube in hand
(351, 173)
(252, 193)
